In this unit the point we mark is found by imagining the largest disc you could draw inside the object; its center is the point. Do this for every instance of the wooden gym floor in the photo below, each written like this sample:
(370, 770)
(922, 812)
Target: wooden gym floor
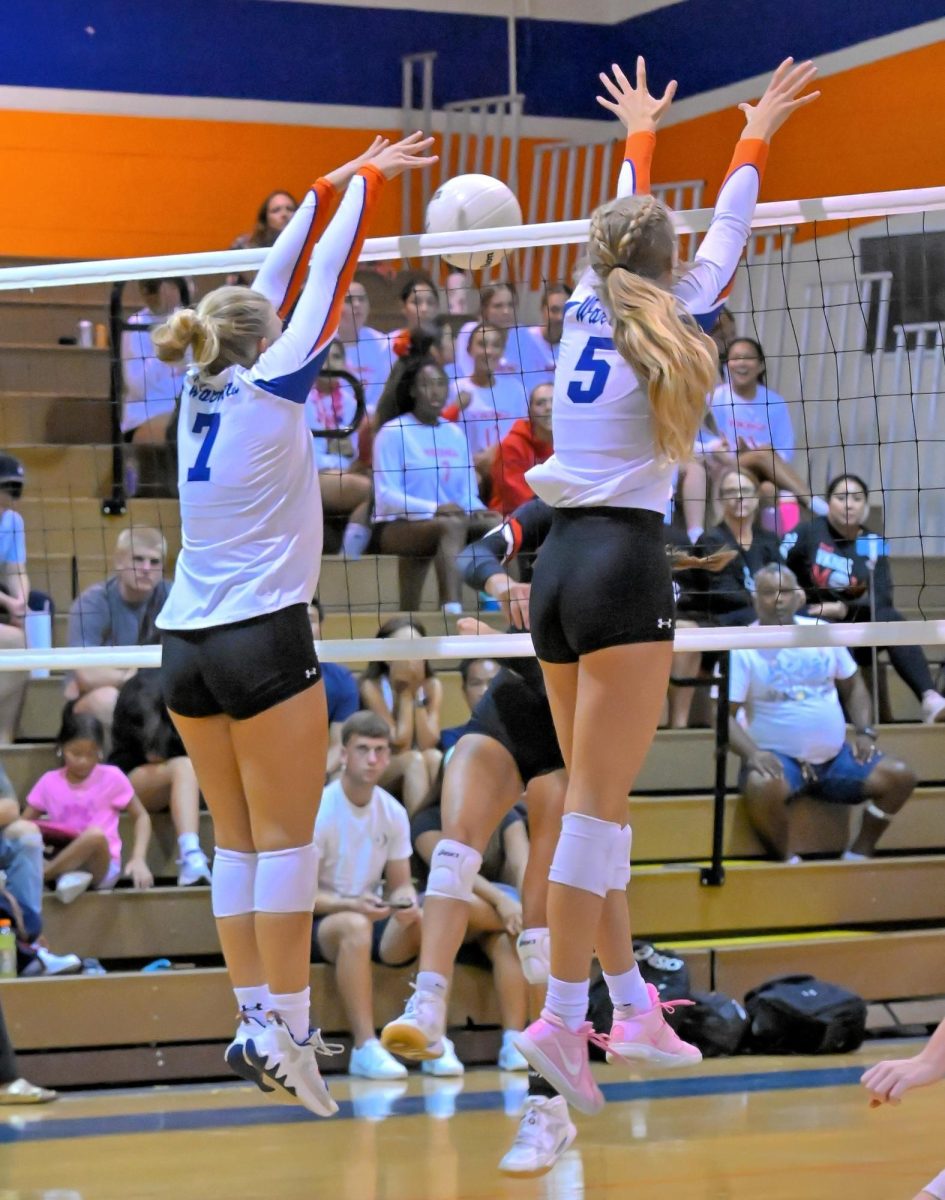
(765, 1129)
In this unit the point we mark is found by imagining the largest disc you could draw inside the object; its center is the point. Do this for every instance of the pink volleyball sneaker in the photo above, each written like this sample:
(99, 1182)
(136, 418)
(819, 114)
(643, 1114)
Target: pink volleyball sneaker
(646, 1037)
(560, 1056)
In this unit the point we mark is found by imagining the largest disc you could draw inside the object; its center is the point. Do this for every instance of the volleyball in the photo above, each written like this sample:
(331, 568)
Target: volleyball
(472, 202)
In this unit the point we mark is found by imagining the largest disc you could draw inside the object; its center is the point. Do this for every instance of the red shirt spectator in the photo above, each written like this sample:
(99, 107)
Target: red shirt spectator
(526, 444)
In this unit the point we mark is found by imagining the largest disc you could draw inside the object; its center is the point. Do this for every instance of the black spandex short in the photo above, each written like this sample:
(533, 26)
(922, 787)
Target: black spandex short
(377, 933)
(602, 579)
(240, 669)
(517, 716)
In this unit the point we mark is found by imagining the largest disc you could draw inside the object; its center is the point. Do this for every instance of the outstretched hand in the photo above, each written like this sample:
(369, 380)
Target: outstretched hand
(637, 109)
(340, 177)
(780, 100)
(408, 154)
(887, 1082)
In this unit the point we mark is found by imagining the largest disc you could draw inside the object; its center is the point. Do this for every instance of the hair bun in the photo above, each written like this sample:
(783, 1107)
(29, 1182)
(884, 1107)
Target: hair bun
(180, 330)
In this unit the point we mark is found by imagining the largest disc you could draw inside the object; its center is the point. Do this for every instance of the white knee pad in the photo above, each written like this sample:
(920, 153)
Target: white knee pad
(620, 868)
(453, 868)
(287, 880)
(534, 953)
(585, 855)
(233, 883)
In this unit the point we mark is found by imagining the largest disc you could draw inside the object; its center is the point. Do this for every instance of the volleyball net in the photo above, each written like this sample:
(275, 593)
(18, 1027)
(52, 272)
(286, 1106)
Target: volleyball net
(845, 295)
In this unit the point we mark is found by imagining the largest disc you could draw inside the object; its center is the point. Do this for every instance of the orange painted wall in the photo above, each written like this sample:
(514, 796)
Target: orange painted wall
(103, 186)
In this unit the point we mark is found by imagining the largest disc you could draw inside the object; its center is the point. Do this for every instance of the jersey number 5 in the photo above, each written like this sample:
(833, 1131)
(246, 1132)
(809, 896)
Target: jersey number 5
(208, 424)
(597, 368)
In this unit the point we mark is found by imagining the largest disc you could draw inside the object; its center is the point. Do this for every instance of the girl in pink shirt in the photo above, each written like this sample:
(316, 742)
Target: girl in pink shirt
(77, 809)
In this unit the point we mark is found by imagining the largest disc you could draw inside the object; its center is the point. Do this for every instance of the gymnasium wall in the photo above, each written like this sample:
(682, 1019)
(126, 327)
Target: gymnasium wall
(131, 128)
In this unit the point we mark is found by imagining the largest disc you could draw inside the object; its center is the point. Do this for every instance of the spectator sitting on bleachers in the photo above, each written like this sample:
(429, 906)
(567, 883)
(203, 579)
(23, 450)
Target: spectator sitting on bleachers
(498, 303)
(363, 840)
(539, 343)
(275, 212)
(147, 748)
(794, 741)
(755, 434)
(407, 696)
(21, 875)
(831, 557)
(487, 404)
(476, 674)
(343, 477)
(367, 351)
(77, 807)
(113, 613)
(151, 387)
(527, 443)
(426, 497)
(462, 296)
(419, 306)
(14, 592)
(719, 593)
(495, 921)
(341, 695)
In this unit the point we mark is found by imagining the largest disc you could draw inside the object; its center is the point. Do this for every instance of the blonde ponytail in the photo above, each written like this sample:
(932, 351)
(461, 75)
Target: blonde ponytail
(632, 244)
(225, 329)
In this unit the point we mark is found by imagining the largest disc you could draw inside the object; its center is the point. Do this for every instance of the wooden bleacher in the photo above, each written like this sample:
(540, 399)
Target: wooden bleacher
(878, 928)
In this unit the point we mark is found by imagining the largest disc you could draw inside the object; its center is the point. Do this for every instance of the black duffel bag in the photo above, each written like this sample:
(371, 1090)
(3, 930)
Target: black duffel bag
(714, 1022)
(798, 1014)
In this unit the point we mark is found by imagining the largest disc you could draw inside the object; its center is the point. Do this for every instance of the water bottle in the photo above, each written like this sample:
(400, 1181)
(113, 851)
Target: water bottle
(7, 951)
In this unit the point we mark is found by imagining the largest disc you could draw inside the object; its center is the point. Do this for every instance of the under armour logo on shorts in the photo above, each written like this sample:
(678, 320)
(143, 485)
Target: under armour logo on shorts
(311, 672)
(664, 623)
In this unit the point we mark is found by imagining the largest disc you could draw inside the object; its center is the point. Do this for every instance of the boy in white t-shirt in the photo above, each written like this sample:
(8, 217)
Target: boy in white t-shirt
(363, 839)
(794, 740)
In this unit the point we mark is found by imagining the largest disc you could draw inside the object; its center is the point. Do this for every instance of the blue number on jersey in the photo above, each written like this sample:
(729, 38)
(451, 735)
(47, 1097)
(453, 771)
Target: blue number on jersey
(208, 423)
(597, 368)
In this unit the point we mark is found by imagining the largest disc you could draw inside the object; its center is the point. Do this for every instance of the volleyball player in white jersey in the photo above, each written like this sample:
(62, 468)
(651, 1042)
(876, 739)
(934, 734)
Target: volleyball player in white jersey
(632, 375)
(240, 675)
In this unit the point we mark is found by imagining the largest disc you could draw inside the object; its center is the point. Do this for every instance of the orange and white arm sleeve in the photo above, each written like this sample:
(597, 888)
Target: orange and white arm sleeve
(706, 285)
(634, 179)
(282, 275)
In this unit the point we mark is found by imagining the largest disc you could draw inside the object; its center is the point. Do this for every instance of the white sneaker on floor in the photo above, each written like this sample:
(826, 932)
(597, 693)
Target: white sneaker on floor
(372, 1061)
(71, 885)
(510, 1058)
(545, 1132)
(59, 964)
(446, 1065)
(933, 708)
(419, 1033)
(290, 1066)
(193, 868)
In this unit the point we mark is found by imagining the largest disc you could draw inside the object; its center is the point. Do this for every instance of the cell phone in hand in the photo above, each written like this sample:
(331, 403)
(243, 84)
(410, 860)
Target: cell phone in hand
(400, 904)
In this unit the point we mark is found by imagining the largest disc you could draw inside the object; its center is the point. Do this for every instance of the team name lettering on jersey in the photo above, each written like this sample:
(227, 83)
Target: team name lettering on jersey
(591, 312)
(211, 395)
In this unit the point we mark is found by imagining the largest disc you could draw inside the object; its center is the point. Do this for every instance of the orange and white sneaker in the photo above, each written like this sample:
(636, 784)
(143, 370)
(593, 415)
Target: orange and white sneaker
(646, 1037)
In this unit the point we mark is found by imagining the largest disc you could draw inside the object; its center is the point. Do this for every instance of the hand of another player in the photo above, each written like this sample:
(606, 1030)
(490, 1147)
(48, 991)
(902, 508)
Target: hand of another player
(636, 108)
(473, 627)
(766, 763)
(780, 100)
(513, 597)
(136, 869)
(889, 1081)
(341, 176)
(510, 914)
(409, 154)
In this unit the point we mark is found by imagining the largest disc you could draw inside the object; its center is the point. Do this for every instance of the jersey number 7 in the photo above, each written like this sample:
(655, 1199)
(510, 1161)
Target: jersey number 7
(208, 424)
(597, 368)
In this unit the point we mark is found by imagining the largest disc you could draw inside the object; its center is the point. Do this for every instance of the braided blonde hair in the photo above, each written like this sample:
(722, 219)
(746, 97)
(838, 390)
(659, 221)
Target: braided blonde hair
(632, 246)
(224, 329)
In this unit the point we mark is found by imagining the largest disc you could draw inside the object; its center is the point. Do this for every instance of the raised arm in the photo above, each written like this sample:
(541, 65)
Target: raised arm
(289, 366)
(282, 275)
(710, 280)
(640, 114)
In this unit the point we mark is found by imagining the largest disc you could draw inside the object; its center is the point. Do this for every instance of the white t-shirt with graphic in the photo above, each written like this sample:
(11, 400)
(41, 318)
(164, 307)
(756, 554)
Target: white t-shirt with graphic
(790, 697)
(355, 844)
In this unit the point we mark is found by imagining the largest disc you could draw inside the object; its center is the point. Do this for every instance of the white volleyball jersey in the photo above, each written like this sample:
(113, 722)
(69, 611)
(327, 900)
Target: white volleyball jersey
(418, 467)
(251, 520)
(605, 448)
(492, 410)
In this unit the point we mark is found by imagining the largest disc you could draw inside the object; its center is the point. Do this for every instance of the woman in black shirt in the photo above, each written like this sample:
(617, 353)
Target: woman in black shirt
(830, 557)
